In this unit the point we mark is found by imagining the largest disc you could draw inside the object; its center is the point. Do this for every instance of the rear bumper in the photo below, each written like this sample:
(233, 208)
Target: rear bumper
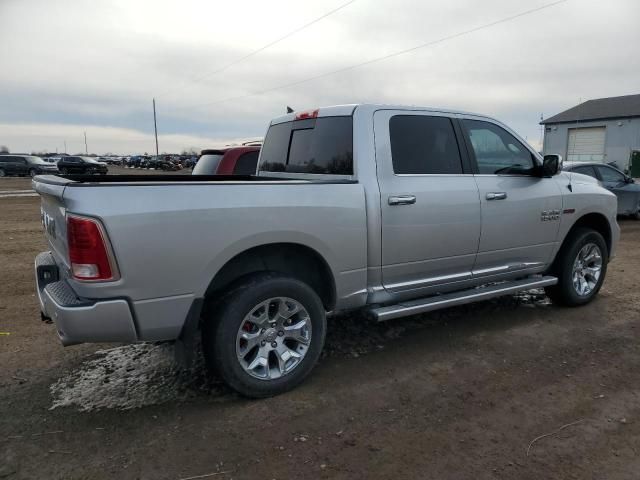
(78, 319)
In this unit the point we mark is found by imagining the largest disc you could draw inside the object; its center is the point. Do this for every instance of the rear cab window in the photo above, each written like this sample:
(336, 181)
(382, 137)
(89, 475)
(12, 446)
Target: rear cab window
(321, 145)
(208, 164)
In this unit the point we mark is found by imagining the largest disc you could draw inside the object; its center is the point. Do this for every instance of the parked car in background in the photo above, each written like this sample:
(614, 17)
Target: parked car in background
(81, 165)
(438, 208)
(611, 178)
(23, 165)
(110, 160)
(134, 161)
(228, 161)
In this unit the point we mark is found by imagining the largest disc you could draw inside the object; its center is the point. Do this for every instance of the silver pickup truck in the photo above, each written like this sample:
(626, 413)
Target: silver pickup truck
(389, 209)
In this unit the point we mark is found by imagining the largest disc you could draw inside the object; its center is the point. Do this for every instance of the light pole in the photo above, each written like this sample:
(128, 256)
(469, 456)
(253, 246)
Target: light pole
(155, 125)
(86, 150)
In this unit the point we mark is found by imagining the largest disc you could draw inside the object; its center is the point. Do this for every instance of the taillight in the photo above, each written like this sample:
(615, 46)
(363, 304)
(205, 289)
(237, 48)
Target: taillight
(307, 114)
(88, 254)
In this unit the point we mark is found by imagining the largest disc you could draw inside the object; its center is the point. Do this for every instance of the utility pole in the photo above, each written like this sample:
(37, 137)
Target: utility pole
(86, 150)
(65, 146)
(541, 133)
(155, 125)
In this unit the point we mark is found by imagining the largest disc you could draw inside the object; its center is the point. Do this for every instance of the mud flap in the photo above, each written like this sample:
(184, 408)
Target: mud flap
(188, 343)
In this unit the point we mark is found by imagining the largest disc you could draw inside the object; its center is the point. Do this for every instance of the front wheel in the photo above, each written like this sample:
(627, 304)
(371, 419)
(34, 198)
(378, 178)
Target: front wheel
(32, 173)
(2, 173)
(264, 337)
(581, 267)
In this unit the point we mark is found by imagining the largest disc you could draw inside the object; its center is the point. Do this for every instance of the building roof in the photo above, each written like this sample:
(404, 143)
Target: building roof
(598, 109)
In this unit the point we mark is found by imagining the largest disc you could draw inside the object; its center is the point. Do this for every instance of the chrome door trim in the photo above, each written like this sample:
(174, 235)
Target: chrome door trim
(507, 268)
(425, 282)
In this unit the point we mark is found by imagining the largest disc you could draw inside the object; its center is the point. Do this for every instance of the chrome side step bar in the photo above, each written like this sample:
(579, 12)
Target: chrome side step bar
(437, 302)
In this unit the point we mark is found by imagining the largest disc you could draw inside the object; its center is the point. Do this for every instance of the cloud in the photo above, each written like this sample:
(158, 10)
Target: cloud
(97, 65)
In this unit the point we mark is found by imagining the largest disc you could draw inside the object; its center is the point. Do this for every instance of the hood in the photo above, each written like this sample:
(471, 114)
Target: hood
(579, 178)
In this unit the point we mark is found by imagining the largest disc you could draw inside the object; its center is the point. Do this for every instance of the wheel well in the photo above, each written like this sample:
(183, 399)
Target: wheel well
(595, 221)
(295, 260)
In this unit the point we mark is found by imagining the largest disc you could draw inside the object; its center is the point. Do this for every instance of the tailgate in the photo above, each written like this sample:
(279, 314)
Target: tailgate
(52, 215)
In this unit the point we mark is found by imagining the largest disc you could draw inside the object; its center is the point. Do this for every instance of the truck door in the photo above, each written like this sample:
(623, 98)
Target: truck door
(520, 210)
(429, 202)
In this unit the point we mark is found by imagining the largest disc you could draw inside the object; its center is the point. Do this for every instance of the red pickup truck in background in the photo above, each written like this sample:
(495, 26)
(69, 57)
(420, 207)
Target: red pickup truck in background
(228, 161)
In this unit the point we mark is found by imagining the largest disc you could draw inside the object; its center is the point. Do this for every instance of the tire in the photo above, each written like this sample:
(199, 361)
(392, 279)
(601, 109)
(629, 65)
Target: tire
(228, 322)
(3, 173)
(64, 171)
(566, 291)
(32, 173)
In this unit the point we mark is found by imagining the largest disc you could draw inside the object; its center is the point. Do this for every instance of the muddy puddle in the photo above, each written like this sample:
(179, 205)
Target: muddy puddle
(144, 374)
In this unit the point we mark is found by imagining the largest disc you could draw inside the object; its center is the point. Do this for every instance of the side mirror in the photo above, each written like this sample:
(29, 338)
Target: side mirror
(551, 165)
(629, 180)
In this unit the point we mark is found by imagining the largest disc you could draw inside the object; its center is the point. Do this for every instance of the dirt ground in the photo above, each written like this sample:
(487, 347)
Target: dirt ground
(512, 388)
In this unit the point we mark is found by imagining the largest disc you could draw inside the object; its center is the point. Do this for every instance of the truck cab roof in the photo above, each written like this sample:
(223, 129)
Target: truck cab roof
(349, 109)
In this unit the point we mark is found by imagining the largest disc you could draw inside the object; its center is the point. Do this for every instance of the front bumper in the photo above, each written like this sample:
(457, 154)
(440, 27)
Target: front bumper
(78, 319)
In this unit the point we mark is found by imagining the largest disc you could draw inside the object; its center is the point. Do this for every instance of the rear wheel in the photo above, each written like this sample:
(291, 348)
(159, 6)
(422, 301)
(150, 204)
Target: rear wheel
(64, 171)
(2, 173)
(264, 337)
(32, 173)
(581, 267)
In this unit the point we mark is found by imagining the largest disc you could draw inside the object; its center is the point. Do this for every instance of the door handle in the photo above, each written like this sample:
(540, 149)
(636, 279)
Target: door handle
(496, 195)
(402, 200)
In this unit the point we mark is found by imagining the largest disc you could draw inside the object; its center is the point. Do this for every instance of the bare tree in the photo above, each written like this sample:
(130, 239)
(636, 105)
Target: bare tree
(4, 149)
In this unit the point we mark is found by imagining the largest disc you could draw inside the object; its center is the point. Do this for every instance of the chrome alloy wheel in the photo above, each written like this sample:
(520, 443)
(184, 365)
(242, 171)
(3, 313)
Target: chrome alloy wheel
(273, 338)
(587, 268)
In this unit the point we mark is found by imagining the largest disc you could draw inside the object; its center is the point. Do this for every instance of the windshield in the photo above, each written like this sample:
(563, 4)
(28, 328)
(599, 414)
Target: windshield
(207, 164)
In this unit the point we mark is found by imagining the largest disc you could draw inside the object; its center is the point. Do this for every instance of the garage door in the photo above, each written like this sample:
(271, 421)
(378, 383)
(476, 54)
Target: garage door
(586, 144)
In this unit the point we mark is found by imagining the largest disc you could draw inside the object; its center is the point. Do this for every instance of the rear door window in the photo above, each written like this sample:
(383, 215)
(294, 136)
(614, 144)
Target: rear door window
(424, 145)
(320, 146)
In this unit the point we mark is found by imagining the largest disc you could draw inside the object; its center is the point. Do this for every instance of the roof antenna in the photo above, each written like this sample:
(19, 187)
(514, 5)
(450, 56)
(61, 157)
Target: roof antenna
(289, 109)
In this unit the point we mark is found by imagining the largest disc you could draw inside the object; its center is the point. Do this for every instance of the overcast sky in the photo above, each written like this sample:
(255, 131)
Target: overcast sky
(70, 66)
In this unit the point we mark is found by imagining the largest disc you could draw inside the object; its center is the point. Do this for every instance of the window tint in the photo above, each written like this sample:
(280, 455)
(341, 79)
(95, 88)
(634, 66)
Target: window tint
(585, 170)
(246, 164)
(610, 175)
(323, 146)
(423, 145)
(497, 151)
